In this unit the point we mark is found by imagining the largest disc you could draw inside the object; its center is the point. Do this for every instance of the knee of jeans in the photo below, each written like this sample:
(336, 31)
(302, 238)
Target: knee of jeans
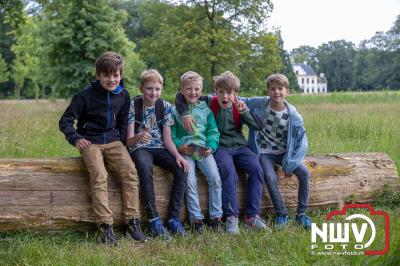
(214, 182)
(271, 180)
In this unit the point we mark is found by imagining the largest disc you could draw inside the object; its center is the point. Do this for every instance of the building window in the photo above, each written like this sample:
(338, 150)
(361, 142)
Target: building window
(297, 72)
(318, 89)
(307, 81)
(312, 81)
(302, 80)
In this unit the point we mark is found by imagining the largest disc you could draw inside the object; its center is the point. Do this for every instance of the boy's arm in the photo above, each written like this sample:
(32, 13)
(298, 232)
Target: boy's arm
(183, 109)
(212, 133)
(67, 120)
(249, 120)
(169, 144)
(252, 102)
(181, 105)
(122, 119)
(174, 128)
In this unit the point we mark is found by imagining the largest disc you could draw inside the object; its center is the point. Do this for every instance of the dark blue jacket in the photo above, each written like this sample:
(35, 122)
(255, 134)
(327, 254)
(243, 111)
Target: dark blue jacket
(102, 115)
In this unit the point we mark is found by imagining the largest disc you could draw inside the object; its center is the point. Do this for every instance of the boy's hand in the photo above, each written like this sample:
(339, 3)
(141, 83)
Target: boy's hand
(241, 106)
(188, 122)
(205, 152)
(182, 163)
(82, 144)
(186, 149)
(143, 136)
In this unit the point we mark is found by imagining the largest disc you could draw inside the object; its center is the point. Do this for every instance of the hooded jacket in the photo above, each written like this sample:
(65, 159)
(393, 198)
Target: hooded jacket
(102, 115)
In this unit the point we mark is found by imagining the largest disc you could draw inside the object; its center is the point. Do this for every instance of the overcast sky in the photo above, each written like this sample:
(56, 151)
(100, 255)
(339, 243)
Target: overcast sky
(313, 22)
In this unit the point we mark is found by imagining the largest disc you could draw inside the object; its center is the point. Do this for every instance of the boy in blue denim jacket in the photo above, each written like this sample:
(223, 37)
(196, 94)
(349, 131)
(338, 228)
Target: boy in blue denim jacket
(198, 148)
(281, 140)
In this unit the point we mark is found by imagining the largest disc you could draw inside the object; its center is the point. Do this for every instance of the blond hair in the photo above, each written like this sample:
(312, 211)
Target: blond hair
(109, 63)
(150, 75)
(279, 79)
(227, 81)
(189, 77)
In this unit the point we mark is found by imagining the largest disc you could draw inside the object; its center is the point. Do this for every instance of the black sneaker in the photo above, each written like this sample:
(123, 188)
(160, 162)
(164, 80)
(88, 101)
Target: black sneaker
(135, 231)
(216, 225)
(106, 235)
(197, 227)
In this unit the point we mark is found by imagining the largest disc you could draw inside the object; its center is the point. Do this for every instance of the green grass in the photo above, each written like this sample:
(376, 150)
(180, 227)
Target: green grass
(339, 122)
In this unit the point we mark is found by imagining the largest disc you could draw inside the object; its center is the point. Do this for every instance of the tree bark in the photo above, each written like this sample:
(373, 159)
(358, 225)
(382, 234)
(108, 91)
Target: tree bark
(51, 194)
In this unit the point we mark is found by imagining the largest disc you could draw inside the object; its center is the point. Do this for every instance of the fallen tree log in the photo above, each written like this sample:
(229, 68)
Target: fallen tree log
(51, 194)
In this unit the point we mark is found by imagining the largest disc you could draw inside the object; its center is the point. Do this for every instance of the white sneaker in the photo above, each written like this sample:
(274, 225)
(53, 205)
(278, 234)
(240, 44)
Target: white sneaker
(232, 225)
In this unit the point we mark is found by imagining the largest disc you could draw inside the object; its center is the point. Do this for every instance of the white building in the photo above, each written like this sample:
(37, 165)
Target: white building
(308, 80)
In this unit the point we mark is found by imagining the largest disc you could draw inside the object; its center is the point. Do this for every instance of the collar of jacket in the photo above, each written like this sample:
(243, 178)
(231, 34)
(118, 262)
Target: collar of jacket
(96, 85)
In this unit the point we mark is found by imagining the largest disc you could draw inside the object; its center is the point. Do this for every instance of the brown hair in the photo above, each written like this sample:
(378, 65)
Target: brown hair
(150, 75)
(227, 81)
(279, 79)
(109, 63)
(190, 76)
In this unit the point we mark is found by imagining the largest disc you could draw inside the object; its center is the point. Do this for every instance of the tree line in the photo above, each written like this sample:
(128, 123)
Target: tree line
(48, 47)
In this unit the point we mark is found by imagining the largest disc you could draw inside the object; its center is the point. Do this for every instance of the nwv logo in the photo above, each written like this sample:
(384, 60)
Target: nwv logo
(334, 235)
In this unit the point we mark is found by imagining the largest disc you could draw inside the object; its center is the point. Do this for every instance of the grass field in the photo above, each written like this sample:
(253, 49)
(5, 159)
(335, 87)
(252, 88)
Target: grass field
(342, 122)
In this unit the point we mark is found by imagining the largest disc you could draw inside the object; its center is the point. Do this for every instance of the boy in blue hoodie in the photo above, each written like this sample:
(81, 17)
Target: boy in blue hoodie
(281, 140)
(198, 147)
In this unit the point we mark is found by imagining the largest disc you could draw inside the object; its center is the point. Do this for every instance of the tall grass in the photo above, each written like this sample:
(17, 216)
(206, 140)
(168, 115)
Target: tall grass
(340, 122)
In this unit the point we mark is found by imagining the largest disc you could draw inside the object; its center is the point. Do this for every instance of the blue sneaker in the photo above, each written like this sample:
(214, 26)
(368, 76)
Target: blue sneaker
(158, 230)
(176, 227)
(304, 220)
(281, 221)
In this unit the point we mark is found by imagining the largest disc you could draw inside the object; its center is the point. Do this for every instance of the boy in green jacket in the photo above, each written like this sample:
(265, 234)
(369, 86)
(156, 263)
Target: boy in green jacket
(198, 147)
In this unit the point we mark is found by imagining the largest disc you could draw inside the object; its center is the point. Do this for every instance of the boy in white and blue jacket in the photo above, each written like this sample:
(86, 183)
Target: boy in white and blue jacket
(281, 140)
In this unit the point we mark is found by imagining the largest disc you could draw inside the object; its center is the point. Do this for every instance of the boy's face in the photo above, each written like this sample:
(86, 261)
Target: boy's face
(277, 92)
(109, 81)
(151, 91)
(225, 98)
(192, 90)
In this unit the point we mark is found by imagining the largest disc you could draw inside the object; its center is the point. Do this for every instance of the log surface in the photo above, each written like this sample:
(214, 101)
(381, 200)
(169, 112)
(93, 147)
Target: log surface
(51, 194)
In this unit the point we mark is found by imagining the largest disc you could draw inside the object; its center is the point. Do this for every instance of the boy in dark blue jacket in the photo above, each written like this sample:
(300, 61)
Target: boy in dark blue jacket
(101, 111)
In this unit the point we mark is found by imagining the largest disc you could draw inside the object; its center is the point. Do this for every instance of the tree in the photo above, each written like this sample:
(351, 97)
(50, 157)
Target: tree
(287, 68)
(204, 36)
(76, 33)
(336, 59)
(307, 54)
(3, 70)
(26, 67)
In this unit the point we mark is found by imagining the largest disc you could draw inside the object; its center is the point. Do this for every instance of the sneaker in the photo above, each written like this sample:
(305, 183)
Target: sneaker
(232, 225)
(197, 227)
(106, 235)
(135, 231)
(281, 221)
(255, 223)
(158, 230)
(304, 220)
(176, 227)
(216, 224)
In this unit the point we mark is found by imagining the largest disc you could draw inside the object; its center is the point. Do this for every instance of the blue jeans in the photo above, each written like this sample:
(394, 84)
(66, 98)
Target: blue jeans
(244, 159)
(268, 162)
(209, 168)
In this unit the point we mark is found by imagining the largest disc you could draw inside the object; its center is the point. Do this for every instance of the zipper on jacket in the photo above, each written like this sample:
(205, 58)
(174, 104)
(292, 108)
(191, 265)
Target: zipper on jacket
(108, 116)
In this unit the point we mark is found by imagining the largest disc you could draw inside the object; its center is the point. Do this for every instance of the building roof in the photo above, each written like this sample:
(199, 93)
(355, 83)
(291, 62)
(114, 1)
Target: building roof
(309, 71)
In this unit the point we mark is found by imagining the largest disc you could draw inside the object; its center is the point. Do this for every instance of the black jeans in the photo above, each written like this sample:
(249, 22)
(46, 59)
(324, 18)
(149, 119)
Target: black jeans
(144, 159)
